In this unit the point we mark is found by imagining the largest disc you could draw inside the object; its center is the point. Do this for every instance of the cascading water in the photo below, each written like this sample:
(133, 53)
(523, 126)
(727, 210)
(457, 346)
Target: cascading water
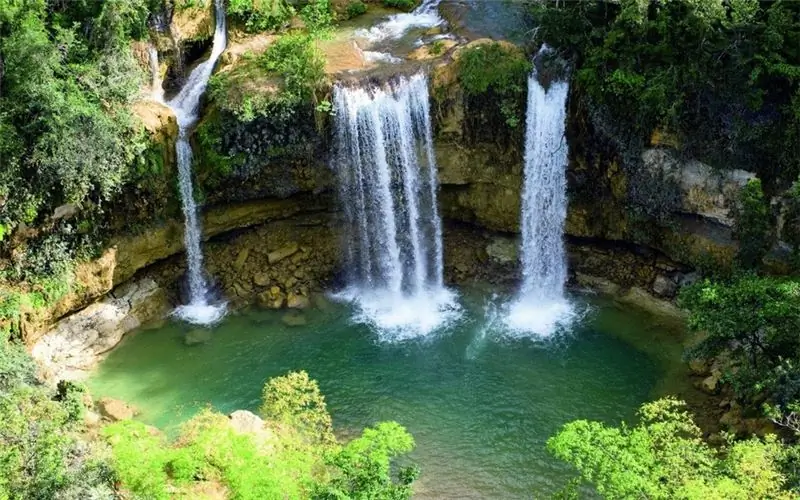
(541, 304)
(156, 89)
(387, 185)
(185, 105)
(426, 15)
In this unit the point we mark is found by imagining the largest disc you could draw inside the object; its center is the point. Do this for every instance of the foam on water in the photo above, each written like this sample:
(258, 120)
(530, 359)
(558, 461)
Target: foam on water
(372, 56)
(424, 16)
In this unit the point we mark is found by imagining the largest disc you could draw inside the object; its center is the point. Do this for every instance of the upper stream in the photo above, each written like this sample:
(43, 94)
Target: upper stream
(480, 404)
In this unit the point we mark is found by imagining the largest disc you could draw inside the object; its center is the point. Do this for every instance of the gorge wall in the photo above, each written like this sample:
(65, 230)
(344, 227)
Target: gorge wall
(270, 219)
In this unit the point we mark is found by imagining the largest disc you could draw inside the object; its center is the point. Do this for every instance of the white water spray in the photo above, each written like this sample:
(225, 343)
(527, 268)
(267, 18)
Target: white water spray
(424, 16)
(388, 184)
(156, 87)
(541, 305)
(185, 105)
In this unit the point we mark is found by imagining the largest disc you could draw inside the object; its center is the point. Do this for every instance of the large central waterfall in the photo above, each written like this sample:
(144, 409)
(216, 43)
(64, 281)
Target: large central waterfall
(387, 184)
(540, 304)
(186, 104)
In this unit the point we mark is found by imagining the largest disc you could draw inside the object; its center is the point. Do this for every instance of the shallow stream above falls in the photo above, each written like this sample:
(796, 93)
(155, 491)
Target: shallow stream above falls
(479, 404)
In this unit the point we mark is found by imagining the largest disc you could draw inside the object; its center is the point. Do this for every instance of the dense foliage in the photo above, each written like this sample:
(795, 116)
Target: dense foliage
(499, 70)
(295, 455)
(664, 457)
(258, 15)
(42, 452)
(755, 321)
(722, 75)
(68, 140)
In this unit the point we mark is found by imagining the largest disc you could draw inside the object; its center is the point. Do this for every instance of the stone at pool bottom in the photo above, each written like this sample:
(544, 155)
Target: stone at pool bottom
(197, 336)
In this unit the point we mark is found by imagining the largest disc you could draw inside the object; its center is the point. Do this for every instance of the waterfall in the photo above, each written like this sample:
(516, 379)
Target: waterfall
(185, 105)
(541, 304)
(156, 89)
(387, 185)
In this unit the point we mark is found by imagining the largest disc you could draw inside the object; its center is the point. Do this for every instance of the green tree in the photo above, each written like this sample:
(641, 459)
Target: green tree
(361, 469)
(664, 457)
(296, 400)
(755, 321)
(753, 226)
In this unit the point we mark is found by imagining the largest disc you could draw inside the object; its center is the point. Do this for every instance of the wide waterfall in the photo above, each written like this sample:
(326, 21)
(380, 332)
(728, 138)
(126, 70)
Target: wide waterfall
(387, 185)
(541, 304)
(185, 104)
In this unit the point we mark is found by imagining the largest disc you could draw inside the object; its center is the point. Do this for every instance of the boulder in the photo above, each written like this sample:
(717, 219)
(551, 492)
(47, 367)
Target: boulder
(698, 367)
(246, 422)
(193, 23)
(296, 301)
(91, 419)
(664, 286)
(710, 384)
(115, 410)
(272, 298)
(281, 253)
(197, 336)
(261, 279)
(65, 211)
(241, 259)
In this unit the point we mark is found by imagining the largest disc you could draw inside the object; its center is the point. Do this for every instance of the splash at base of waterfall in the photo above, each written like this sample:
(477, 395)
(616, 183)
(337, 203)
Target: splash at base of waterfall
(527, 316)
(397, 317)
(392, 231)
(201, 313)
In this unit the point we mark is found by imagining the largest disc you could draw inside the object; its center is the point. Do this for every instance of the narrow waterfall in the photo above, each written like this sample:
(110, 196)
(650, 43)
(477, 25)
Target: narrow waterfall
(387, 185)
(156, 88)
(185, 104)
(541, 304)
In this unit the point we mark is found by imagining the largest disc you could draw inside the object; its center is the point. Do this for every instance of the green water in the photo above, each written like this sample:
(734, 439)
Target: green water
(479, 405)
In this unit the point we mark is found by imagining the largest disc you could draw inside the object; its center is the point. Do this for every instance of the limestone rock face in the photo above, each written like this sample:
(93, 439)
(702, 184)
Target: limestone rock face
(193, 23)
(75, 344)
(704, 191)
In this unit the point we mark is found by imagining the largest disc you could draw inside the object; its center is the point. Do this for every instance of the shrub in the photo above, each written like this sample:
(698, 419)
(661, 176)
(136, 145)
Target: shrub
(664, 457)
(362, 469)
(404, 5)
(295, 399)
(296, 456)
(355, 9)
(501, 70)
(317, 17)
(753, 226)
(260, 15)
(753, 319)
(16, 367)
